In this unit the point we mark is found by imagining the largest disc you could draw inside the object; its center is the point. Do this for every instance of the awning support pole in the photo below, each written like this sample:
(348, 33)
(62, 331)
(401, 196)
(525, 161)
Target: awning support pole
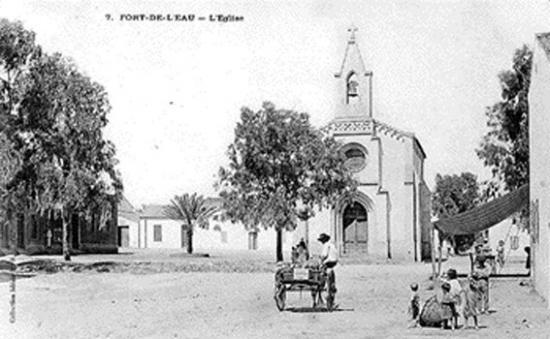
(440, 257)
(434, 273)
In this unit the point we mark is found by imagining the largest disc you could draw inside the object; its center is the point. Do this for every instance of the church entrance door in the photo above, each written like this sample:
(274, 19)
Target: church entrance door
(355, 223)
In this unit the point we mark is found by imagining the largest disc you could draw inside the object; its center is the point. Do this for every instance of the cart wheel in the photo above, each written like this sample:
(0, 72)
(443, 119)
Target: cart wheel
(280, 297)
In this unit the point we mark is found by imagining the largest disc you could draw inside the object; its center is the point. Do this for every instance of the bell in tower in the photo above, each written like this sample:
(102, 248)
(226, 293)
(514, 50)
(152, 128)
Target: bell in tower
(352, 89)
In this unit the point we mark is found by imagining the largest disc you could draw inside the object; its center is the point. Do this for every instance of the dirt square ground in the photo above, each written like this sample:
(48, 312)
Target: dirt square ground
(215, 300)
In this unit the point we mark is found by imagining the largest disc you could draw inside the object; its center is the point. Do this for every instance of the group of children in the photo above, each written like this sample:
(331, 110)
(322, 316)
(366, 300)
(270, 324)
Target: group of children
(467, 300)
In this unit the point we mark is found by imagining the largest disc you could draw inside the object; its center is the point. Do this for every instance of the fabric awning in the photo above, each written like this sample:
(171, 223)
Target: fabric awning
(486, 215)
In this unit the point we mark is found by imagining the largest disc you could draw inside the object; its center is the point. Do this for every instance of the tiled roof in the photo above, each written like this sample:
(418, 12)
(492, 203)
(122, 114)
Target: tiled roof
(125, 205)
(153, 211)
(157, 210)
(544, 41)
(127, 210)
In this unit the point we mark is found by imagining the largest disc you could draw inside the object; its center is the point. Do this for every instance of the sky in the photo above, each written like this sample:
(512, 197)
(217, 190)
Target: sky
(177, 87)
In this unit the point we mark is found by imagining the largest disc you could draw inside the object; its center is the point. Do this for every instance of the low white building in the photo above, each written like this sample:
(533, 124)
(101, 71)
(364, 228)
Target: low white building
(155, 230)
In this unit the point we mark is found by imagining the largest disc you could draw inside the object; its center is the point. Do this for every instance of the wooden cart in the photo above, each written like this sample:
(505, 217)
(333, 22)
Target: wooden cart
(297, 279)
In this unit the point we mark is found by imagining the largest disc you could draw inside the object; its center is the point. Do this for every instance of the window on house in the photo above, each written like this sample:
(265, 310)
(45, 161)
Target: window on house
(224, 236)
(157, 233)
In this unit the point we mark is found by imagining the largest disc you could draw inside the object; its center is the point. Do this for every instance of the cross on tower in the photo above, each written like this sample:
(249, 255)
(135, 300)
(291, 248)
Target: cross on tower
(352, 31)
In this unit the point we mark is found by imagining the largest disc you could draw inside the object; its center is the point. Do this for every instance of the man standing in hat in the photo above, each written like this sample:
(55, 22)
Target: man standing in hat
(329, 254)
(329, 259)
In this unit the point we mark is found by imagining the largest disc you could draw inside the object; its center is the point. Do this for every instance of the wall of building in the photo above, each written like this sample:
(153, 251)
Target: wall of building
(396, 170)
(539, 125)
(132, 229)
(389, 161)
(503, 231)
(219, 235)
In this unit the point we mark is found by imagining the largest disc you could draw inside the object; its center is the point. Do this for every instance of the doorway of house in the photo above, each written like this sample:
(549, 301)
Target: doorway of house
(123, 236)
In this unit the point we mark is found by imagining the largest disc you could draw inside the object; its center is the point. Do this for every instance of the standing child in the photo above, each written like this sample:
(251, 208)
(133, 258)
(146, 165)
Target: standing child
(472, 301)
(483, 272)
(500, 255)
(448, 306)
(414, 304)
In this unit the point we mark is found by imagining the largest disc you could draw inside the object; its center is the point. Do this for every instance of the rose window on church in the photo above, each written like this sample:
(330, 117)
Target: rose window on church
(356, 157)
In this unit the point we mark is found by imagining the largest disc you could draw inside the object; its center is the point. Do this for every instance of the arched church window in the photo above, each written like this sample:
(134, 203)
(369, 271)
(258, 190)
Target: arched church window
(352, 86)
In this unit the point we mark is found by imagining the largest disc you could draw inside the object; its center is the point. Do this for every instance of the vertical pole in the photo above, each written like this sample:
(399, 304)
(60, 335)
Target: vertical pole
(12, 291)
(434, 273)
(440, 256)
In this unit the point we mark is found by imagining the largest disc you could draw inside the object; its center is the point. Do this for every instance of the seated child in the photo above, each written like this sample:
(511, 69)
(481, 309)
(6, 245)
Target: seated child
(414, 304)
(300, 254)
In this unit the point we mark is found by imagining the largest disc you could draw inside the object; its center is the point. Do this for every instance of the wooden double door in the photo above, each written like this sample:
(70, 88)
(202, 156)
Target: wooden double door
(355, 223)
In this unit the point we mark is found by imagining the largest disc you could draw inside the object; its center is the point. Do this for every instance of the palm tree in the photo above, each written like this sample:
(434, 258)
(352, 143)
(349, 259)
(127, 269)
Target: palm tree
(193, 211)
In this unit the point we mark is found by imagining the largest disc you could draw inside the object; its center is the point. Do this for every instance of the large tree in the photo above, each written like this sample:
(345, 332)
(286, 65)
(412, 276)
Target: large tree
(455, 194)
(53, 115)
(193, 210)
(280, 169)
(505, 147)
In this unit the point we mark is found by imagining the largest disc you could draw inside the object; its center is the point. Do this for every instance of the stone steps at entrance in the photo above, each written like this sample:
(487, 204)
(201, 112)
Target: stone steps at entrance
(351, 248)
(355, 253)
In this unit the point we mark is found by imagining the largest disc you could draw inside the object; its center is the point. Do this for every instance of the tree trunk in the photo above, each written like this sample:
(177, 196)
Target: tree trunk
(12, 232)
(279, 244)
(66, 254)
(190, 239)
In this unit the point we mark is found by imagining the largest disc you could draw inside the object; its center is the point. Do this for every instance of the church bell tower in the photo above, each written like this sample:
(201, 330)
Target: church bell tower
(354, 83)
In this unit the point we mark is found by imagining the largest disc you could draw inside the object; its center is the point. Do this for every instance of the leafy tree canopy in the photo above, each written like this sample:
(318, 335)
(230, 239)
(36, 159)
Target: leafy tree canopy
(52, 116)
(456, 194)
(505, 147)
(280, 169)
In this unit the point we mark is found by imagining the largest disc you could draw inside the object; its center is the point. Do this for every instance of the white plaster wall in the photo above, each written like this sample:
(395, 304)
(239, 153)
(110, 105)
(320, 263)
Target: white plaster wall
(320, 223)
(171, 233)
(502, 231)
(397, 159)
(539, 125)
(237, 236)
(132, 230)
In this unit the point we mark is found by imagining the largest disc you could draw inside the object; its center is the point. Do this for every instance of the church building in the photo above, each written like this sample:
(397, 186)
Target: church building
(390, 215)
